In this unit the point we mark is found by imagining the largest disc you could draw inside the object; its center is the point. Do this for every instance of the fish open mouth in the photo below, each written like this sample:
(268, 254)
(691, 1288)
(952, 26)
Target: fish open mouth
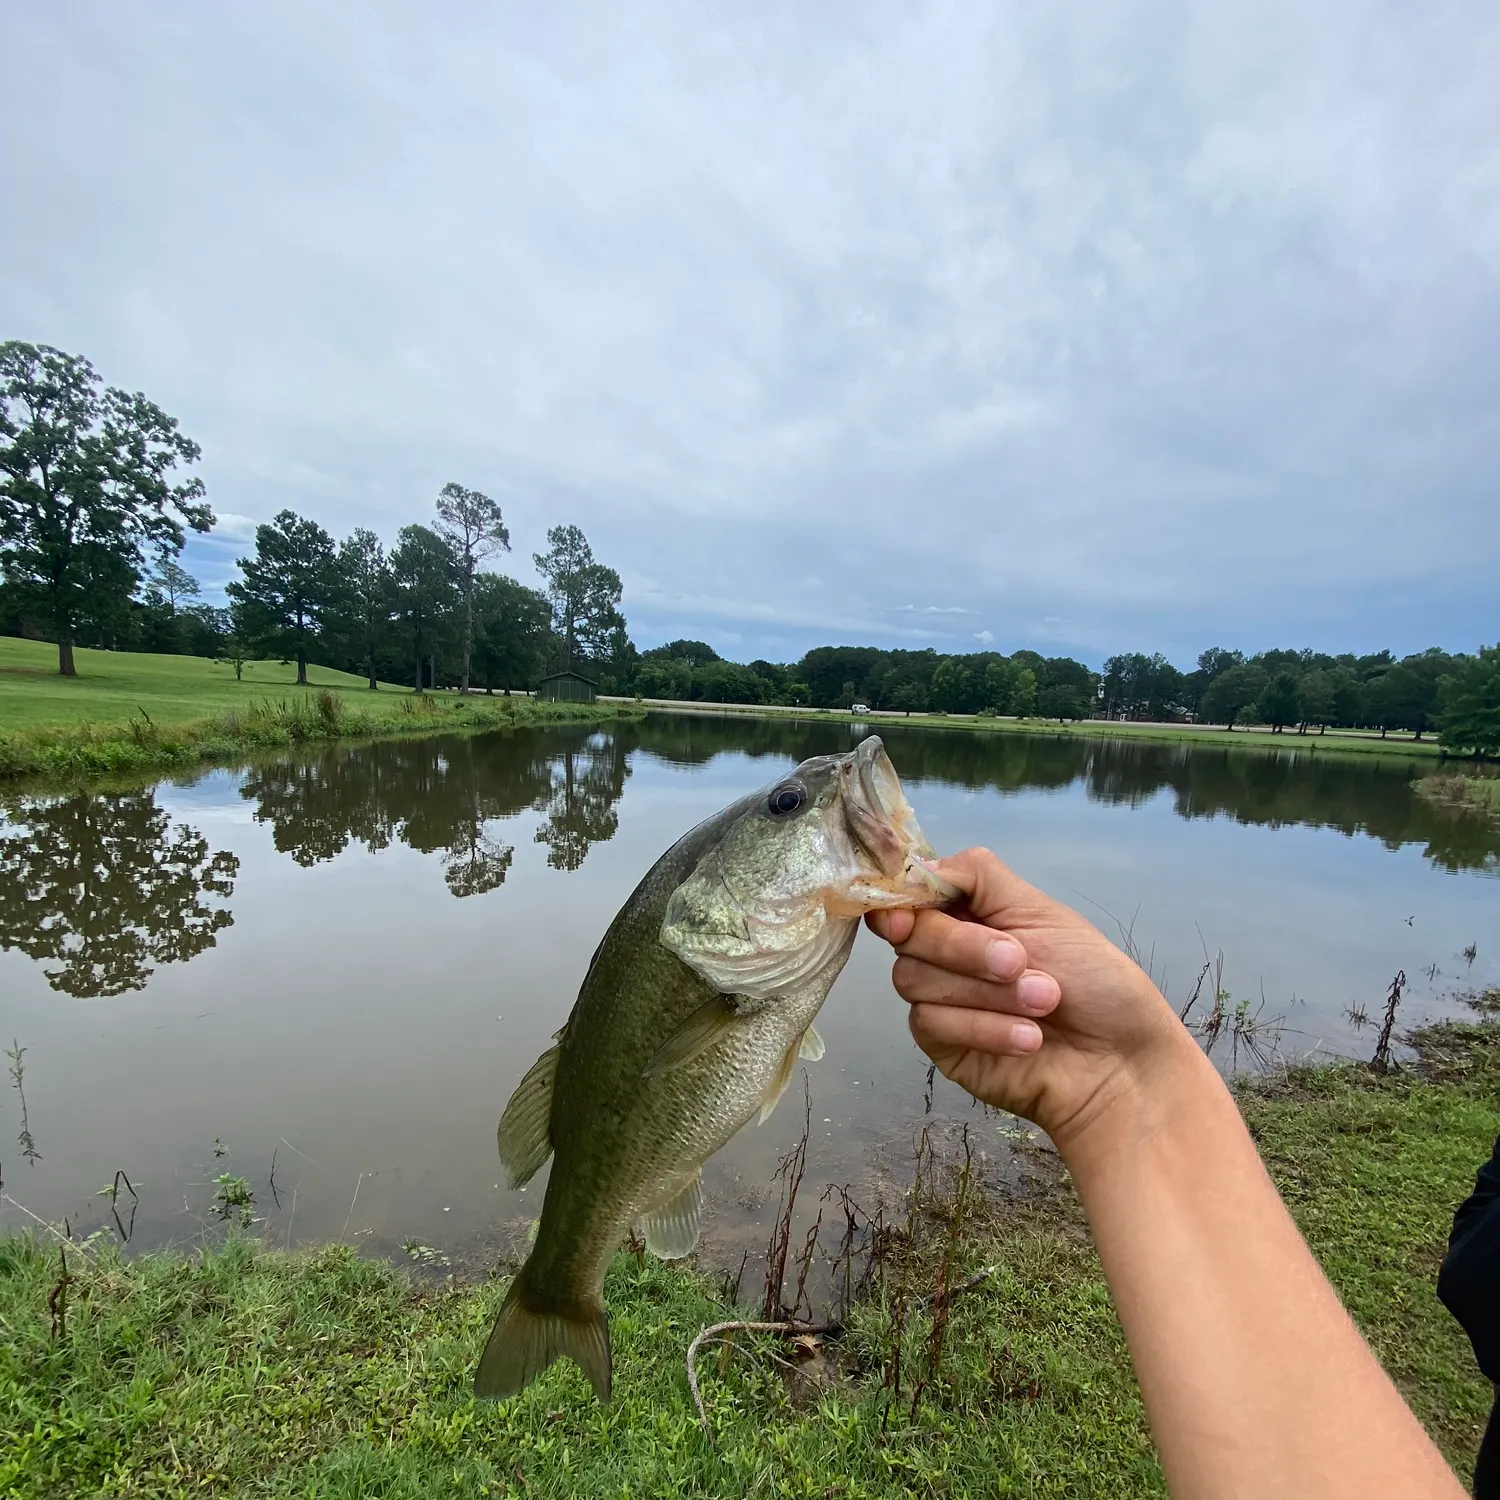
(885, 829)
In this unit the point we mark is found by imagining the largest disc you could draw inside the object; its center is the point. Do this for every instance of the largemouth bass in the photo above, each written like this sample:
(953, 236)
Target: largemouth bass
(690, 1021)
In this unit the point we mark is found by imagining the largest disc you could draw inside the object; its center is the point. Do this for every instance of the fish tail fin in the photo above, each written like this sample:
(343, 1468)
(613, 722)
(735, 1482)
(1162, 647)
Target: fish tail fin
(528, 1336)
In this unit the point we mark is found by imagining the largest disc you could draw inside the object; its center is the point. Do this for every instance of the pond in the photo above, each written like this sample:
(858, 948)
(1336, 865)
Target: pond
(324, 973)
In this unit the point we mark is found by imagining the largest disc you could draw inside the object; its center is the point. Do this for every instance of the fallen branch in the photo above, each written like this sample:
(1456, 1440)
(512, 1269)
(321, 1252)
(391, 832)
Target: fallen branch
(738, 1325)
(715, 1331)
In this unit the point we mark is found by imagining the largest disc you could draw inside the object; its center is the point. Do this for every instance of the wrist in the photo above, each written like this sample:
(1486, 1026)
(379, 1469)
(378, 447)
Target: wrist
(1164, 1088)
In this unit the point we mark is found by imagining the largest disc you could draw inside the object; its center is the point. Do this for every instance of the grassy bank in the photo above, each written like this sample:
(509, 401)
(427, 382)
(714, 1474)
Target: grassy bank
(126, 712)
(1255, 737)
(248, 1371)
(1465, 796)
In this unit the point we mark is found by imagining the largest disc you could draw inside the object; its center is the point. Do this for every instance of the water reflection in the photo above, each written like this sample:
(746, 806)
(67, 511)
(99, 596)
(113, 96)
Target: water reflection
(104, 888)
(441, 796)
(1315, 788)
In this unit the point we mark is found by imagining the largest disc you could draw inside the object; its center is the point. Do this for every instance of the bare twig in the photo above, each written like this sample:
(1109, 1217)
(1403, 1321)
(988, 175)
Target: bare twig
(58, 1301)
(1192, 999)
(790, 1172)
(352, 1202)
(1381, 1062)
(114, 1204)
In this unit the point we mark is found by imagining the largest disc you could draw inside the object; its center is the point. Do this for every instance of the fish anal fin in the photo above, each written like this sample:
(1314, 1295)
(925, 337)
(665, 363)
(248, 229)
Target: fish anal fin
(672, 1227)
(526, 1339)
(777, 1086)
(705, 1026)
(812, 1047)
(524, 1136)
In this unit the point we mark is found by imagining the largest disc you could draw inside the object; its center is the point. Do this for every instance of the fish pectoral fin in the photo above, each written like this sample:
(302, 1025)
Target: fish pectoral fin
(705, 1026)
(525, 1135)
(672, 1229)
(812, 1048)
(777, 1086)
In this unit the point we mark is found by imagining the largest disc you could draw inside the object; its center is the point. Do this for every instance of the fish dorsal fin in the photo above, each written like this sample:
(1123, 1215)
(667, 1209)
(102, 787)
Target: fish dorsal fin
(525, 1134)
(672, 1228)
(812, 1048)
(710, 1023)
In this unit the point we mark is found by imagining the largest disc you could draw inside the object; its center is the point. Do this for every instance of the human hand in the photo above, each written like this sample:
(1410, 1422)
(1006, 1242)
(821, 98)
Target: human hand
(1024, 1003)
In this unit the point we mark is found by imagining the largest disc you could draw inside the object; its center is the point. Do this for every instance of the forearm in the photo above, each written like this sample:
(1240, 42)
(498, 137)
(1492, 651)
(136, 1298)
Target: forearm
(1255, 1380)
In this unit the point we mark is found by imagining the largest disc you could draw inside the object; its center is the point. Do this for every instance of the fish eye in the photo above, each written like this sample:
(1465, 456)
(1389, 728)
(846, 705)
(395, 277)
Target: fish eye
(786, 799)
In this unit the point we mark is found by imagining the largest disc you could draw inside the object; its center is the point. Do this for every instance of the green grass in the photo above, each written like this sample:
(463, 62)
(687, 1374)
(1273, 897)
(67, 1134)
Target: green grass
(128, 712)
(1335, 742)
(246, 1371)
(1473, 796)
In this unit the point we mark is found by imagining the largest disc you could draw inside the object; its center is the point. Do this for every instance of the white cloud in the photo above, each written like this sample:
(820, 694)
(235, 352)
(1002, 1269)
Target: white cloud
(1163, 327)
(985, 637)
(233, 528)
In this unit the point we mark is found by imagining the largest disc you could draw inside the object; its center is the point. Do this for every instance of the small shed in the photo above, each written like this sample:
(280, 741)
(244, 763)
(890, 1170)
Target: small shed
(568, 687)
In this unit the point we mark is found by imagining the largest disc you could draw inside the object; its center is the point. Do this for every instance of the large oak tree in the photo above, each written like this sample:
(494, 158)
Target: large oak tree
(87, 482)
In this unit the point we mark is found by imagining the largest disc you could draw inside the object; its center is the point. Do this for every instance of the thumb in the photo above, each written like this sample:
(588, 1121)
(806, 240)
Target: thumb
(991, 889)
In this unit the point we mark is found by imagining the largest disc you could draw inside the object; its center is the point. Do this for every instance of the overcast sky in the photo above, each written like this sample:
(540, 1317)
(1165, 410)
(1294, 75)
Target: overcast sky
(1086, 327)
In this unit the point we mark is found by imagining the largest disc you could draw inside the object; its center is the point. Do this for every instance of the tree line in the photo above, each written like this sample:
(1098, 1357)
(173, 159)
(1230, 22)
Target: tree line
(1301, 690)
(95, 510)
(95, 507)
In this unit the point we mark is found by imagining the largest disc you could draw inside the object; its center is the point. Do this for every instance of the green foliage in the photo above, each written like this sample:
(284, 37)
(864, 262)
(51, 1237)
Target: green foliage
(86, 484)
(470, 522)
(585, 594)
(287, 589)
(1137, 686)
(363, 600)
(694, 653)
(1061, 703)
(513, 632)
(1231, 692)
(1315, 694)
(1280, 704)
(426, 574)
(1476, 796)
(1469, 699)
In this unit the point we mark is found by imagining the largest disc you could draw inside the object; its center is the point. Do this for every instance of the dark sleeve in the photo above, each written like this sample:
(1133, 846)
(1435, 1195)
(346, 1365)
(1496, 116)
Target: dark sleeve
(1469, 1281)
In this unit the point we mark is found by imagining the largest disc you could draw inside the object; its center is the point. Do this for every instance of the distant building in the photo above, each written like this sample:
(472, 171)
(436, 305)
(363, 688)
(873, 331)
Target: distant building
(568, 687)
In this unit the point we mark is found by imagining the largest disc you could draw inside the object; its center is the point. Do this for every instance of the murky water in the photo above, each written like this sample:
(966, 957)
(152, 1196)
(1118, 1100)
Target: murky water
(324, 974)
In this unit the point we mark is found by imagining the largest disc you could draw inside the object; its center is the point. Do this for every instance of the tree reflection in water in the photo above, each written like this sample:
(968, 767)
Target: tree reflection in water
(104, 888)
(443, 796)
(1318, 788)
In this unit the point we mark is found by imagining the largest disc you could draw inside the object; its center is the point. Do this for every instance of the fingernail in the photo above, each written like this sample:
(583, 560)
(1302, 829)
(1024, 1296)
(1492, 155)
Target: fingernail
(1005, 959)
(1026, 1036)
(1036, 991)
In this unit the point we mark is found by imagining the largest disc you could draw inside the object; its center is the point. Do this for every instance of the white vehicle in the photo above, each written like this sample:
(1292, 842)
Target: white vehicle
(859, 708)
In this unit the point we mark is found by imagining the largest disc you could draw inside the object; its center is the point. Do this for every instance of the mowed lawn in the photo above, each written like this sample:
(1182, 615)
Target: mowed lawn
(112, 686)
